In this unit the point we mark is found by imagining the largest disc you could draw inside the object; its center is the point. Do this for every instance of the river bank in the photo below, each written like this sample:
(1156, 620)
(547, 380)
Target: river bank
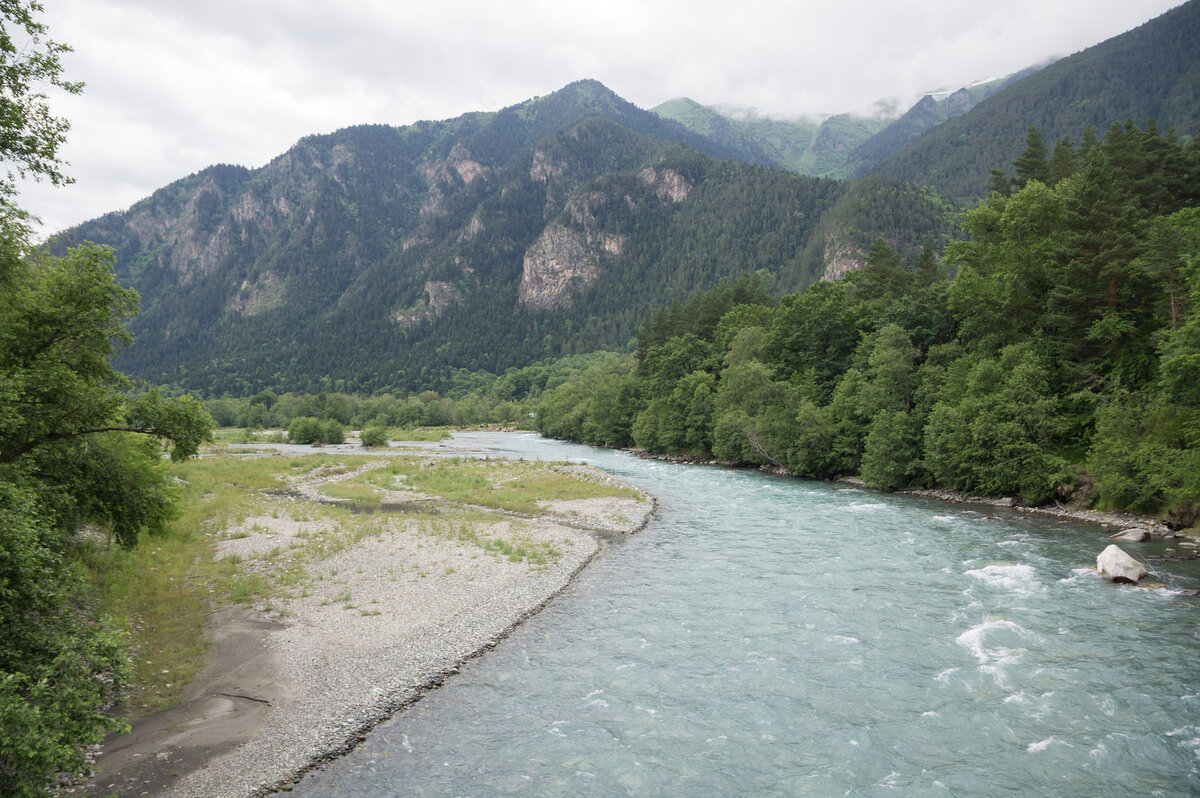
(1109, 519)
(295, 680)
(777, 636)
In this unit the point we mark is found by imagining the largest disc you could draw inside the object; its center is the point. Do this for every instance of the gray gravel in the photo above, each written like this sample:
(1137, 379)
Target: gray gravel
(385, 621)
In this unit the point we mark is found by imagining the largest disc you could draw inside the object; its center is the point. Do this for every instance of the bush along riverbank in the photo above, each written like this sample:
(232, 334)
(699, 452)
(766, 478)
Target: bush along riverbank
(1053, 356)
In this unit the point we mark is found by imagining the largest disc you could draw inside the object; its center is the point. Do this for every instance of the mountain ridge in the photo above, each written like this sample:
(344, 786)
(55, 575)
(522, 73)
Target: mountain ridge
(385, 257)
(1152, 71)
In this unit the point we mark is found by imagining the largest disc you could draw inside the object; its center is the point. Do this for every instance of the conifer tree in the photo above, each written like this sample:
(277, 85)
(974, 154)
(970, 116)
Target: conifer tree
(1033, 163)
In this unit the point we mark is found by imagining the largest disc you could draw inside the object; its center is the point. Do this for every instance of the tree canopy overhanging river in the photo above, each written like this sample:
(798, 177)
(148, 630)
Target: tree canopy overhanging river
(771, 636)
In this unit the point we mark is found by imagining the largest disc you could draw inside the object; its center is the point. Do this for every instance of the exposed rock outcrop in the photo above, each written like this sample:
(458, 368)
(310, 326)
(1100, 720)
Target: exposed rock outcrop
(667, 183)
(841, 257)
(545, 166)
(439, 295)
(557, 262)
(1115, 565)
(257, 296)
(582, 207)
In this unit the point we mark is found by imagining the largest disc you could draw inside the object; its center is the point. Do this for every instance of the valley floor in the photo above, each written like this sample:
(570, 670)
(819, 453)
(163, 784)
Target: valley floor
(380, 619)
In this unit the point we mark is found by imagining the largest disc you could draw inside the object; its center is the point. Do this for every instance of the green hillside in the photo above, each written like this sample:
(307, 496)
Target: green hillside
(1152, 71)
(804, 146)
(384, 258)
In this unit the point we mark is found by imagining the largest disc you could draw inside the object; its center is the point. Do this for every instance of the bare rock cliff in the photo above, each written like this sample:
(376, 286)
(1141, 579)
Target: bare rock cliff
(556, 263)
(667, 183)
(841, 258)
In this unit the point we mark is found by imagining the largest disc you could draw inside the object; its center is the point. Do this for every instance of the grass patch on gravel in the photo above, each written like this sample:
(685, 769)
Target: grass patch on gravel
(419, 434)
(496, 535)
(518, 486)
(161, 590)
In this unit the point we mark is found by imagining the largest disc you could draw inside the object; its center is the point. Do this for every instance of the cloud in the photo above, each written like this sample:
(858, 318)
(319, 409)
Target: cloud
(176, 85)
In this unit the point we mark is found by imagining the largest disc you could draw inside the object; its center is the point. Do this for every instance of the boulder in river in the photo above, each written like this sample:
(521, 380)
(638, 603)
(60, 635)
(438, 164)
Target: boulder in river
(1135, 534)
(1117, 566)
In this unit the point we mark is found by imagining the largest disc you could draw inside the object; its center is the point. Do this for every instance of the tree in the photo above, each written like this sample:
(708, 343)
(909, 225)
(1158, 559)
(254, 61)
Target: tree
(1064, 161)
(79, 443)
(30, 134)
(304, 430)
(1033, 163)
(374, 436)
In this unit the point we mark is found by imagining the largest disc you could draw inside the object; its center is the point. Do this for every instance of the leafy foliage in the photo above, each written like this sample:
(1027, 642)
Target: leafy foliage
(77, 447)
(1053, 353)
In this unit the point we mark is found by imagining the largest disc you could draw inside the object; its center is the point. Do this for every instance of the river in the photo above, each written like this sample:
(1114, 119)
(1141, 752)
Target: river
(769, 636)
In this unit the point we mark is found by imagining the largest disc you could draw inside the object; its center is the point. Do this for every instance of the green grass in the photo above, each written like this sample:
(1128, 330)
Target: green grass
(162, 590)
(419, 434)
(496, 535)
(505, 485)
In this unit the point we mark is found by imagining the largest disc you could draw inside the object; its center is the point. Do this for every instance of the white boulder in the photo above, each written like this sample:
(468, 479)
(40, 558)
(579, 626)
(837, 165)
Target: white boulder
(1117, 566)
(1134, 534)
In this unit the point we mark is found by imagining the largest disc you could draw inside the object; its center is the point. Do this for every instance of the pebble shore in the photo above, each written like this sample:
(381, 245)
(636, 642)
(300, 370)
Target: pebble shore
(383, 622)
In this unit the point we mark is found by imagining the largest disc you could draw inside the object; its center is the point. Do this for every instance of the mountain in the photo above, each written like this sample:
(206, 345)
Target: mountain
(378, 257)
(928, 113)
(1152, 71)
(815, 147)
(836, 146)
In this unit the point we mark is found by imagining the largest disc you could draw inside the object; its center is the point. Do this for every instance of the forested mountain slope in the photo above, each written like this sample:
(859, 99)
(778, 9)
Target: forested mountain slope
(835, 146)
(1052, 355)
(380, 257)
(1152, 71)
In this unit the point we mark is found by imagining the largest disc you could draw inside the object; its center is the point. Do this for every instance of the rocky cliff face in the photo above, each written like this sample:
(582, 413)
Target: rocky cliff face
(841, 258)
(558, 263)
(439, 295)
(667, 183)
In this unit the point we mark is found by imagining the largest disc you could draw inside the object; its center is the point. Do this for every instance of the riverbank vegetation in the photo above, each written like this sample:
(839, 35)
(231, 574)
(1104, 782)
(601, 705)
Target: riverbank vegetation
(1052, 355)
(81, 447)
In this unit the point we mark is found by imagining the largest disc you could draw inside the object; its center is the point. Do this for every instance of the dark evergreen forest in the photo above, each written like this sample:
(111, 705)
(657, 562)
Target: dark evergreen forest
(1054, 354)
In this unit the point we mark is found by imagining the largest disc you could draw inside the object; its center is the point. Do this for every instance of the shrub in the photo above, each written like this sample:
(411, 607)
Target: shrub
(375, 436)
(332, 432)
(304, 429)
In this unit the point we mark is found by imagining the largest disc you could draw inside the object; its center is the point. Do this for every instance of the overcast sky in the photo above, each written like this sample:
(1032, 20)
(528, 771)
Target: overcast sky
(177, 85)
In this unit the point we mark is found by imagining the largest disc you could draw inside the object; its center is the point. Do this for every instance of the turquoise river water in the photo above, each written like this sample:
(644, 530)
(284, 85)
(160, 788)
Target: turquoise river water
(767, 636)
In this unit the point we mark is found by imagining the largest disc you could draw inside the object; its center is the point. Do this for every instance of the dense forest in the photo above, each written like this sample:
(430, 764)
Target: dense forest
(383, 259)
(1054, 354)
(1147, 73)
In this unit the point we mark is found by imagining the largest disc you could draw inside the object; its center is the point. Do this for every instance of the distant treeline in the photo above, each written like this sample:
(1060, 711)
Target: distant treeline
(1053, 355)
(473, 398)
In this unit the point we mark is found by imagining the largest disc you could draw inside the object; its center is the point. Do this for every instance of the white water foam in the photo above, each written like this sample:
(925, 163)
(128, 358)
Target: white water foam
(1080, 576)
(944, 676)
(996, 645)
(1015, 577)
(1189, 738)
(1042, 745)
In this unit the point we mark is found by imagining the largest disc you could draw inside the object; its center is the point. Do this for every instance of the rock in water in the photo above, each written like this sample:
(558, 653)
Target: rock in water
(1135, 534)
(1117, 566)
